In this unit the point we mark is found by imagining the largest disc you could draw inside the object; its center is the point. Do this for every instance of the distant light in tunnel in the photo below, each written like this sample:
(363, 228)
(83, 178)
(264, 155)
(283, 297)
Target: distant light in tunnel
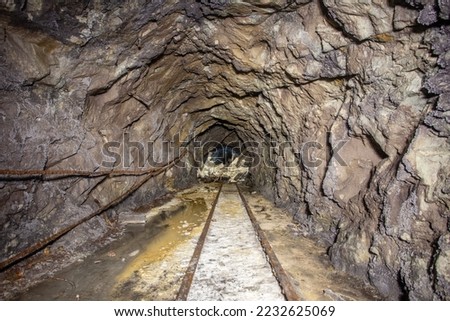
(224, 154)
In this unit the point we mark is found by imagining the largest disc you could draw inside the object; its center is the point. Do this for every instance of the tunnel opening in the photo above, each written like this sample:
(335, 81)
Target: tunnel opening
(223, 155)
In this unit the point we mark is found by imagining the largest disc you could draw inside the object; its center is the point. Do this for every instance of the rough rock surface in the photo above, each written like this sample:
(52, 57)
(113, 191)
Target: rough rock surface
(232, 173)
(343, 106)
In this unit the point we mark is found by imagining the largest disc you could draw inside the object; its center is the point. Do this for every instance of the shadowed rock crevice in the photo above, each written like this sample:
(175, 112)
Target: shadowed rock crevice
(341, 107)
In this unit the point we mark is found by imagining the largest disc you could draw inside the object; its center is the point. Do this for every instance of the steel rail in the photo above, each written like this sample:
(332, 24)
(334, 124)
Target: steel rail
(186, 283)
(280, 274)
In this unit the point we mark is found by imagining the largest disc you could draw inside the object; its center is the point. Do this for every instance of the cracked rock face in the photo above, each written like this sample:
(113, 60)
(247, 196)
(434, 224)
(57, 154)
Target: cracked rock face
(343, 105)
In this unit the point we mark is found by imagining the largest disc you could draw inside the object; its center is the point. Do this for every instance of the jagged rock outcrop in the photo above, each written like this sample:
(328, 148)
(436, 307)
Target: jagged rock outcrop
(342, 105)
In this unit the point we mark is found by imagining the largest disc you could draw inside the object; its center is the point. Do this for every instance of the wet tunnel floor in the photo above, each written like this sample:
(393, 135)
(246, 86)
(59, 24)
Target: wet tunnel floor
(148, 262)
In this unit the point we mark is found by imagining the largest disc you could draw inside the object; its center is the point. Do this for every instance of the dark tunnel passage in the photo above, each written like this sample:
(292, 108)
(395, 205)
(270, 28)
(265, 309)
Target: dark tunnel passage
(224, 154)
(337, 118)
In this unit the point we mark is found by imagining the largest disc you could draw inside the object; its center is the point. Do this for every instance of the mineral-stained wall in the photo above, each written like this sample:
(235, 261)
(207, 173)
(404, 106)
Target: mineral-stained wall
(345, 103)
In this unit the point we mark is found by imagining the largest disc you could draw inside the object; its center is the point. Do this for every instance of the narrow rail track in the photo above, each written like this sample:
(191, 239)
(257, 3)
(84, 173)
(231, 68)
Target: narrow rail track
(190, 271)
(234, 255)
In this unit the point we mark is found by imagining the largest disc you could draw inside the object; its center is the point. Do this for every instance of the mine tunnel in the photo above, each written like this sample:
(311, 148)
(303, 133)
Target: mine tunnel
(121, 121)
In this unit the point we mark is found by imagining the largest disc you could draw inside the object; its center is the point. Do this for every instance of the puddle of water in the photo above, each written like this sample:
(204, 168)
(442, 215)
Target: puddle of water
(97, 276)
(177, 229)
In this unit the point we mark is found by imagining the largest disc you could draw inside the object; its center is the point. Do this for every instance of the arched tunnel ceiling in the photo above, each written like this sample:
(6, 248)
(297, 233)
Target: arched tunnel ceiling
(348, 102)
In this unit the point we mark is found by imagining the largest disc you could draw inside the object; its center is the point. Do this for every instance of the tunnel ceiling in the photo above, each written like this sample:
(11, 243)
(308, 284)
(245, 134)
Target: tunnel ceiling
(346, 104)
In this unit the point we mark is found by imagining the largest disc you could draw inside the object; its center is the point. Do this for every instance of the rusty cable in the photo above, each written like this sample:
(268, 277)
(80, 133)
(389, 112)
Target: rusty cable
(46, 241)
(55, 173)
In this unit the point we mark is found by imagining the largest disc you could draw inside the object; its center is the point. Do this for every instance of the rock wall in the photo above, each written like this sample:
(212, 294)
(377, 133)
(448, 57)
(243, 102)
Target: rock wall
(342, 104)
